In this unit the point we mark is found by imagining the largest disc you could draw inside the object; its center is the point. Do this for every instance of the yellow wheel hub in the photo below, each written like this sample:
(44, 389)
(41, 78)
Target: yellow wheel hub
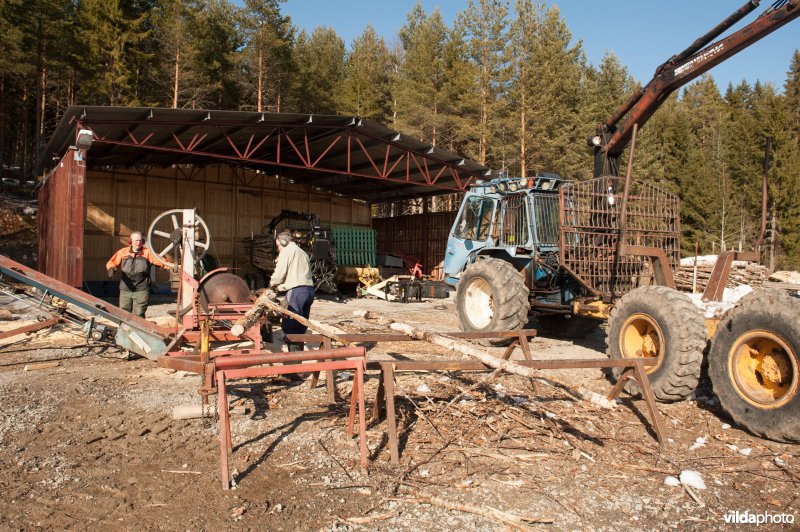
(764, 369)
(641, 336)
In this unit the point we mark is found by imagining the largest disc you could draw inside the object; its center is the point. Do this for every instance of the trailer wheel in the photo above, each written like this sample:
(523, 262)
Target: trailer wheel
(492, 296)
(754, 364)
(659, 322)
(567, 326)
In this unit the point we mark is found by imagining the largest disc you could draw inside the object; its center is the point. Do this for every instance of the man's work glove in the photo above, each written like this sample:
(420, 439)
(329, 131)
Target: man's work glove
(111, 272)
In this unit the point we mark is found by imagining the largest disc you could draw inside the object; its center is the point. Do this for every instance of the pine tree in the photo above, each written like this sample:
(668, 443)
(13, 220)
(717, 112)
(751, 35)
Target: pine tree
(319, 61)
(484, 25)
(705, 182)
(554, 70)
(418, 87)
(792, 93)
(459, 131)
(176, 81)
(365, 88)
(267, 53)
(217, 40)
(110, 33)
(12, 68)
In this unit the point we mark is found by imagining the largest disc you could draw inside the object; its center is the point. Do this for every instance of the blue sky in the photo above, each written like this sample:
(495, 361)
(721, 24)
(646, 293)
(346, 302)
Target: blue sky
(641, 37)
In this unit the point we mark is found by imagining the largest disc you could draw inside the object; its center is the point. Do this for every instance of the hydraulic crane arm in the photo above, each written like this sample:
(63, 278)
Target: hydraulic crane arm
(611, 138)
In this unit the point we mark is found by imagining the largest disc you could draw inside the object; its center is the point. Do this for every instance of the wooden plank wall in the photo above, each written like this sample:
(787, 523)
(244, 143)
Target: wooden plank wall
(421, 237)
(233, 201)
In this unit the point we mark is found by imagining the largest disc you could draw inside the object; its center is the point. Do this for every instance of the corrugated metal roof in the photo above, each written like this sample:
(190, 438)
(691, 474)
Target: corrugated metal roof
(351, 156)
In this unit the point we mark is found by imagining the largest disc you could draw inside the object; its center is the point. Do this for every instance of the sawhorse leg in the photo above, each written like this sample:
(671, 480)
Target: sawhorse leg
(330, 378)
(357, 402)
(387, 379)
(224, 429)
(639, 374)
(522, 342)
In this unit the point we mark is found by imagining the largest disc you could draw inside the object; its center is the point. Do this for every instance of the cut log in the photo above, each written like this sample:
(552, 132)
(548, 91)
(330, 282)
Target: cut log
(265, 303)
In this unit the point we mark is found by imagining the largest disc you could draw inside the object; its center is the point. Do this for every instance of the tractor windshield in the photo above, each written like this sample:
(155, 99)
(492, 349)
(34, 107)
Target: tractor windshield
(475, 220)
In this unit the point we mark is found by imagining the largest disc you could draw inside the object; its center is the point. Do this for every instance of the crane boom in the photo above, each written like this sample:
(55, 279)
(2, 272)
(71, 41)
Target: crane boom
(612, 137)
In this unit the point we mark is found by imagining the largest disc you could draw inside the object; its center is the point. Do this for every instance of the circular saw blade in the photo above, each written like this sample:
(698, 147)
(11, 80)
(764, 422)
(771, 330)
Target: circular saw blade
(223, 288)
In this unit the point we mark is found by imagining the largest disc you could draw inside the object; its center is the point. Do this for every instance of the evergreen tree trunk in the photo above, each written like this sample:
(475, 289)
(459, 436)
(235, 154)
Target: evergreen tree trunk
(176, 79)
(2, 120)
(523, 148)
(484, 126)
(41, 87)
(260, 77)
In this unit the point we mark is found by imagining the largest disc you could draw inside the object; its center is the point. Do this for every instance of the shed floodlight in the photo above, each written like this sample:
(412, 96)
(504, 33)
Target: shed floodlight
(84, 139)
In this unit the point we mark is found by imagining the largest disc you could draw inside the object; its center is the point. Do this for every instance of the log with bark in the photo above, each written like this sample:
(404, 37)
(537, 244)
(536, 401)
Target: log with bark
(266, 302)
(471, 350)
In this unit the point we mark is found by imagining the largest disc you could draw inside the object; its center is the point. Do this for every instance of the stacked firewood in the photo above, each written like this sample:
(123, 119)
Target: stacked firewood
(260, 250)
(749, 273)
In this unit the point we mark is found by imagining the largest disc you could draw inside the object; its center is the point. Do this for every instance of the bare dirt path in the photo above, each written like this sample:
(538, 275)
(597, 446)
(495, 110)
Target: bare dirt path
(91, 444)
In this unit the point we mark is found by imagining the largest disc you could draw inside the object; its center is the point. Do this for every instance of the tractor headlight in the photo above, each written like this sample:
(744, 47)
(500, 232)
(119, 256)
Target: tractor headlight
(513, 186)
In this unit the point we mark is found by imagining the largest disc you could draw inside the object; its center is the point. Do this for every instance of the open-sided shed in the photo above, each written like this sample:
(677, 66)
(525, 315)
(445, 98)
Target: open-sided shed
(237, 168)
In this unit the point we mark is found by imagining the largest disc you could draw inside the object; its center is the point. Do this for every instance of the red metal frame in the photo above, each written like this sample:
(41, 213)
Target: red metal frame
(251, 150)
(260, 364)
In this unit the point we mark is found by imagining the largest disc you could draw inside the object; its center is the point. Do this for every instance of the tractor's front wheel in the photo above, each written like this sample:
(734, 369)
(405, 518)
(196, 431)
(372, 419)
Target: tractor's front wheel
(492, 296)
(754, 364)
(661, 323)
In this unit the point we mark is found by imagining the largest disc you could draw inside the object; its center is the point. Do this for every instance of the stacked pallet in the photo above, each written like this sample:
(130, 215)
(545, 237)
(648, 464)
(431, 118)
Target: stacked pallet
(742, 273)
(355, 246)
(259, 249)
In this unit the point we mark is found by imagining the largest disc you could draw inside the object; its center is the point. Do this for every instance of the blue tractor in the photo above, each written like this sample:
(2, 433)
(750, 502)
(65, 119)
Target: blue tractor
(548, 247)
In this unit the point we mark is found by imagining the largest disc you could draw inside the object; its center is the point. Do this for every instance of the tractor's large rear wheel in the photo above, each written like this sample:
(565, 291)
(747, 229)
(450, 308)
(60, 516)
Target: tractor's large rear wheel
(754, 364)
(492, 296)
(661, 323)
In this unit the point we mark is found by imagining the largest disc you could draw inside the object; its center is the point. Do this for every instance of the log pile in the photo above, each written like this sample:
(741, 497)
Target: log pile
(260, 249)
(748, 273)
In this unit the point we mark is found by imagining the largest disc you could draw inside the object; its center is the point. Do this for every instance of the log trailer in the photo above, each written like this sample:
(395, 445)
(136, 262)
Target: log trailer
(576, 254)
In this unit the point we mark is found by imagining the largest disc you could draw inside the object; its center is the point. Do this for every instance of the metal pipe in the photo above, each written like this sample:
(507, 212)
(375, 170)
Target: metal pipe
(735, 17)
(240, 361)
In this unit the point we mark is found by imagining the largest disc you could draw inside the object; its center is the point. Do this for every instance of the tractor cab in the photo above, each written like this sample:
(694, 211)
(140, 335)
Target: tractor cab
(512, 218)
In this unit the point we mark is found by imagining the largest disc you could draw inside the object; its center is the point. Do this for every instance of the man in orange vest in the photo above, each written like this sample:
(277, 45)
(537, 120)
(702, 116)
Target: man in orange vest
(134, 264)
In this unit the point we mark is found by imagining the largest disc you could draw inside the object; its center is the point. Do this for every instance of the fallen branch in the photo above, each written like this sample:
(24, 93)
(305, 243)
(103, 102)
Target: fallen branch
(365, 520)
(522, 523)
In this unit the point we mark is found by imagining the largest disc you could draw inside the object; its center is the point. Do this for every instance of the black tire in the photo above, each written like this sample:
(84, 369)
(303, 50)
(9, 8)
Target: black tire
(567, 326)
(671, 328)
(505, 295)
(763, 328)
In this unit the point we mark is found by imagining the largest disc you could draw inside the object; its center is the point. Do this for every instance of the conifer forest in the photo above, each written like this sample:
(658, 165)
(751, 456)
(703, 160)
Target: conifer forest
(507, 84)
